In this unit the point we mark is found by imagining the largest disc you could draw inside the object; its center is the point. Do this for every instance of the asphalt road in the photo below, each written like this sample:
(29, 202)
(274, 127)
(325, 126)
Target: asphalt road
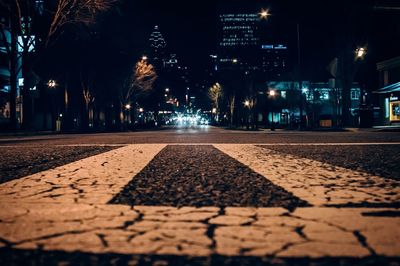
(204, 134)
(377, 153)
(188, 173)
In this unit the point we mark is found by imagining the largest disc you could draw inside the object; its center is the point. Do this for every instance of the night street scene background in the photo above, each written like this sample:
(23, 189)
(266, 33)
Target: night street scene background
(227, 132)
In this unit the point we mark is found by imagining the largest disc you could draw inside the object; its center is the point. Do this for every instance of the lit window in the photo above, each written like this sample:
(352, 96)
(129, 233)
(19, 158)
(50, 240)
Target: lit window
(355, 94)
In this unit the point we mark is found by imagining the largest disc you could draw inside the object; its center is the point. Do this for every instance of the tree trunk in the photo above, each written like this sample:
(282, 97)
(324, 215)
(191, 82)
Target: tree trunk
(13, 76)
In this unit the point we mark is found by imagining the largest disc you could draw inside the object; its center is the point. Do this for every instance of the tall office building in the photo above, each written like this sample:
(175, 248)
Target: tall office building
(240, 45)
(238, 40)
(239, 30)
(158, 47)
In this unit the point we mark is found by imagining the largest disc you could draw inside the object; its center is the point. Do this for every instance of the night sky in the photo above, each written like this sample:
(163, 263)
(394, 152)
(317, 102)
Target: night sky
(190, 31)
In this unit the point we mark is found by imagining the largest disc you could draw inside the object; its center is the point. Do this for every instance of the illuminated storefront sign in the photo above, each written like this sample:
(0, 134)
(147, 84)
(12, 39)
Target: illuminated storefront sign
(394, 98)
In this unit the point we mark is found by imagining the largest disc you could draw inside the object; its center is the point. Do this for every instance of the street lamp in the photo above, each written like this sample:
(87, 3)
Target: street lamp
(127, 106)
(51, 83)
(144, 57)
(249, 105)
(272, 94)
(360, 52)
(264, 14)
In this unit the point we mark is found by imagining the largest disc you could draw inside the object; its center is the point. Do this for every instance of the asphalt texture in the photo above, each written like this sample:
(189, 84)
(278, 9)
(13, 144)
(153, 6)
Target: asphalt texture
(382, 161)
(202, 176)
(203, 135)
(40, 257)
(20, 161)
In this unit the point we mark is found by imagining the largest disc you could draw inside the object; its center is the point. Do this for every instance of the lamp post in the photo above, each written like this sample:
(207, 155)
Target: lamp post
(52, 85)
(272, 94)
(249, 105)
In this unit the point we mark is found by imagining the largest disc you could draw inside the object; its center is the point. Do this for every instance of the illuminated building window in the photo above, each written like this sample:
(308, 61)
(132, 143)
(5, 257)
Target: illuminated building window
(355, 94)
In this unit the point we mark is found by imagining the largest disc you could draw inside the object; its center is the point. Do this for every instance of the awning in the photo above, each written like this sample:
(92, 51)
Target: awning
(390, 88)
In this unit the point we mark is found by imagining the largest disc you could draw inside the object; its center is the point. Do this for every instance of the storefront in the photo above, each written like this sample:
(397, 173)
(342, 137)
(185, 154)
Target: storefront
(394, 108)
(390, 103)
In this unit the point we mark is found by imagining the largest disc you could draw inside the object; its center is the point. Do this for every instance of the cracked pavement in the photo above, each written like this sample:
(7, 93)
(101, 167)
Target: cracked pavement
(351, 214)
(231, 231)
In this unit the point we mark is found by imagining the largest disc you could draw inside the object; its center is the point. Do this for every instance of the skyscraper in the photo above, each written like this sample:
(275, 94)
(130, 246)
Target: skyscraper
(240, 45)
(158, 45)
(239, 30)
(238, 39)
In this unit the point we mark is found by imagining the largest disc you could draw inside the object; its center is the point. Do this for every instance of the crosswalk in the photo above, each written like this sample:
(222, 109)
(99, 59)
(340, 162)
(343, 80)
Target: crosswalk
(350, 213)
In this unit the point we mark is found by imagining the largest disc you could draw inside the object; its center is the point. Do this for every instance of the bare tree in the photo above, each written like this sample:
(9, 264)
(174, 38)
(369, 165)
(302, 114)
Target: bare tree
(76, 12)
(140, 81)
(88, 96)
(215, 95)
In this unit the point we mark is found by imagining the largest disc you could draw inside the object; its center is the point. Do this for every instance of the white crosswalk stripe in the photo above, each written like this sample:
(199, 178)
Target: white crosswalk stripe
(65, 209)
(318, 183)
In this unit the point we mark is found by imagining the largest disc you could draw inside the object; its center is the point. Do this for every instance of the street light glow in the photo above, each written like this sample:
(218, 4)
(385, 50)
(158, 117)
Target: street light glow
(141, 110)
(247, 103)
(51, 83)
(264, 13)
(360, 52)
(234, 60)
(144, 58)
(272, 93)
(128, 106)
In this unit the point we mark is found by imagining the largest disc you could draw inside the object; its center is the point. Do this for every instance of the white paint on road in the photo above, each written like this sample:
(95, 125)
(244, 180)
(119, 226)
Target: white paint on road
(318, 183)
(65, 209)
(95, 179)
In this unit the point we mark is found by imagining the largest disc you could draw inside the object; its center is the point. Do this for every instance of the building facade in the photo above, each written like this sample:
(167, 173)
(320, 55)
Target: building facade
(319, 103)
(240, 46)
(389, 92)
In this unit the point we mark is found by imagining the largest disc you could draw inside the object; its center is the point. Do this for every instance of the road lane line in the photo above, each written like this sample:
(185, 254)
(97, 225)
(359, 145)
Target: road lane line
(318, 183)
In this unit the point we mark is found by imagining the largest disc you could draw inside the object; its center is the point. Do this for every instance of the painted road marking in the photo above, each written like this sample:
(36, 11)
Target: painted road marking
(64, 209)
(306, 232)
(318, 183)
(95, 179)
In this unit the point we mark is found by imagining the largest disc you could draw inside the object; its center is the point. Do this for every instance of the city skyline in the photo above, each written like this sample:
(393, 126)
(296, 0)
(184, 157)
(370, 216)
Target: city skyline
(192, 29)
